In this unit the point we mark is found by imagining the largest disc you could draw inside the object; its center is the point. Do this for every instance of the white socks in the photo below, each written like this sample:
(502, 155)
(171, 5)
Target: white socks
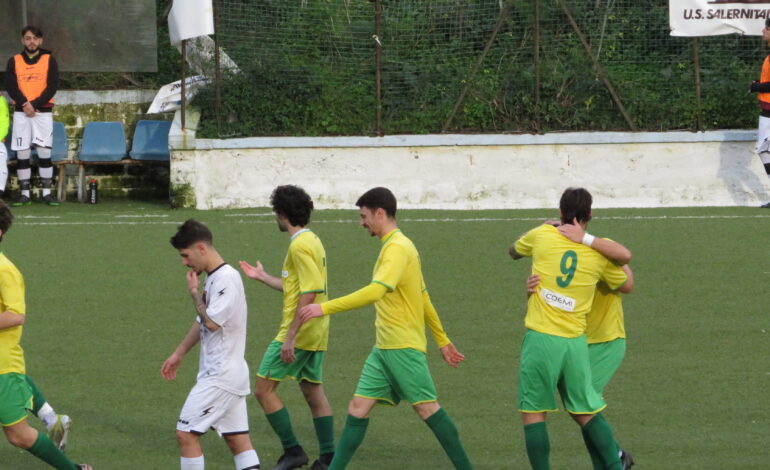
(246, 460)
(47, 415)
(195, 463)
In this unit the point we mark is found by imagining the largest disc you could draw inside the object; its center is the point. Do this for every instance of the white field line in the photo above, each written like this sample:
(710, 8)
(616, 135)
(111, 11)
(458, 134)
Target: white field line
(351, 221)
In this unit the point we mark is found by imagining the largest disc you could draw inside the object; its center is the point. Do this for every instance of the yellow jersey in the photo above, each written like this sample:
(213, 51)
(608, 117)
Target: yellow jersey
(304, 271)
(405, 308)
(568, 274)
(11, 300)
(605, 320)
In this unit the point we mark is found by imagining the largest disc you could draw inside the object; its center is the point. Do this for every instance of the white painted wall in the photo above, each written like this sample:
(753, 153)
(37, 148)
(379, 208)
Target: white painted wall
(478, 172)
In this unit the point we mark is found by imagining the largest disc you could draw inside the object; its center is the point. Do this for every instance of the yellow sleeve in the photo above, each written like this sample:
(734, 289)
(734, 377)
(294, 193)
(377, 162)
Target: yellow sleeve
(360, 298)
(310, 277)
(433, 322)
(3, 118)
(391, 268)
(12, 293)
(523, 245)
(613, 275)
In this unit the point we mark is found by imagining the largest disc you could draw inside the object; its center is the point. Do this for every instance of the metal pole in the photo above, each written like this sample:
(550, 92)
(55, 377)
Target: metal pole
(598, 66)
(698, 102)
(24, 12)
(477, 65)
(536, 55)
(378, 67)
(217, 69)
(184, 79)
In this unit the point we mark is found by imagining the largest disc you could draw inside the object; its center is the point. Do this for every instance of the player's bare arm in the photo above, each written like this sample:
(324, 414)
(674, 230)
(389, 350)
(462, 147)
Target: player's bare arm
(532, 282)
(10, 319)
(451, 355)
(627, 286)
(170, 365)
(258, 272)
(287, 349)
(200, 304)
(609, 249)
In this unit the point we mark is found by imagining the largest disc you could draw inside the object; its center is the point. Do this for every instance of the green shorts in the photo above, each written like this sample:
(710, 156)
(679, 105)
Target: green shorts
(308, 365)
(391, 375)
(15, 398)
(550, 363)
(605, 358)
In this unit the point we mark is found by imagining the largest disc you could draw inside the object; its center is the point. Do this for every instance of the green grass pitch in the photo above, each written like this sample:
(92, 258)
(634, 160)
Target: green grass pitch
(107, 303)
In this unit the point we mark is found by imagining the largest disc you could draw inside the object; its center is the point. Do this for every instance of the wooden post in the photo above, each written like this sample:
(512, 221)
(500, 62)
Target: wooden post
(184, 79)
(378, 67)
(698, 102)
(477, 65)
(598, 66)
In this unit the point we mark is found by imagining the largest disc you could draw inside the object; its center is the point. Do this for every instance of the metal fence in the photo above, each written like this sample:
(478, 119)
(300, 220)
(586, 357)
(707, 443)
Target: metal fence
(378, 67)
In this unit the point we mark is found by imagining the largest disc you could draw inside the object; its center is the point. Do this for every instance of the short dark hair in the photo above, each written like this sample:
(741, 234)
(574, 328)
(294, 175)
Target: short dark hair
(32, 29)
(379, 198)
(6, 218)
(190, 233)
(575, 203)
(293, 203)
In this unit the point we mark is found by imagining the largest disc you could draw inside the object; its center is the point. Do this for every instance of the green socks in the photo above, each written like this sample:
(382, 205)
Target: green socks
(596, 459)
(324, 430)
(281, 424)
(352, 436)
(538, 445)
(446, 433)
(599, 433)
(46, 451)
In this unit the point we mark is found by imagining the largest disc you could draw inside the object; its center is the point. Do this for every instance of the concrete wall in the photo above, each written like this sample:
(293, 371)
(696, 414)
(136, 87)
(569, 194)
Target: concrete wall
(475, 172)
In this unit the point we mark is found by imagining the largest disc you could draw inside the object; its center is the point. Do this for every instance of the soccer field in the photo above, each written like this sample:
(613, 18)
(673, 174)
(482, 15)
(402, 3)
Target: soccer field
(107, 303)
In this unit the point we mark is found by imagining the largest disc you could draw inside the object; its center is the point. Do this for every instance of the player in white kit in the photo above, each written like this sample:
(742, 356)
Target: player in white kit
(218, 399)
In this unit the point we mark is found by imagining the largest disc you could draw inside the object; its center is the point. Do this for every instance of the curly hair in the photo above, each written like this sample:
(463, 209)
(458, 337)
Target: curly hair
(293, 203)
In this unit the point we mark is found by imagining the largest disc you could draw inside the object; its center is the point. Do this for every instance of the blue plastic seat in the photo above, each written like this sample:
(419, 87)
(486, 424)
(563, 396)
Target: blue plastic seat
(103, 142)
(151, 141)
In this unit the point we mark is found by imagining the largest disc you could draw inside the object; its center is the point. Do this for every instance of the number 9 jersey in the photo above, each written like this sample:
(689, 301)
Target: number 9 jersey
(568, 274)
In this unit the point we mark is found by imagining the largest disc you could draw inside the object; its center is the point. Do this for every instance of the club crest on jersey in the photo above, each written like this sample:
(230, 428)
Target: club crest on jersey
(562, 302)
(284, 274)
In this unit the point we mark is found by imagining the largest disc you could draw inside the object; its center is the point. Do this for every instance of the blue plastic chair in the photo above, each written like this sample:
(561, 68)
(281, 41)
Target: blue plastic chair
(103, 142)
(58, 146)
(151, 141)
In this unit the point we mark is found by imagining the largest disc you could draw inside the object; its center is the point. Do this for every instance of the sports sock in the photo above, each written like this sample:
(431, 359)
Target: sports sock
(281, 424)
(46, 451)
(352, 436)
(3, 170)
(246, 460)
(324, 430)
(599, 433)
(538, 445)
(596, 459)
(192, 463)
(23, 171)
(40, 406)
(446, 433)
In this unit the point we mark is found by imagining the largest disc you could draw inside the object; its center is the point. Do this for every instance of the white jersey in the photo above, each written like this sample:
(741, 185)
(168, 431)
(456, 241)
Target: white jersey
(222, 361)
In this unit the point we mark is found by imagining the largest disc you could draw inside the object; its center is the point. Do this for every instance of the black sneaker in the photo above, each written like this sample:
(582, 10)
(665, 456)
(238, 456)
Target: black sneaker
(318, 465)
(292, 458)
(51, 200)
(626, 459)
(22, 201)
(765, 206)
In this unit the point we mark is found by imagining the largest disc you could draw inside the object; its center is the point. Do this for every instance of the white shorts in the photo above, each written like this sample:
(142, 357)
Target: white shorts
(3, 154)
(28, 131)
(208, 407)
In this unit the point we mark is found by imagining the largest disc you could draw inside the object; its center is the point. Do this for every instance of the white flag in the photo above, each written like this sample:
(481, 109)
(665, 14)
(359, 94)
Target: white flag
(169, 97)
(189, 19)
(714, 17)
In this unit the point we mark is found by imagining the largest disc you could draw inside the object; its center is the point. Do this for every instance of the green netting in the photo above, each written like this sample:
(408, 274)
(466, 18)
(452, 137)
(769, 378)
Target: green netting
(308, 68)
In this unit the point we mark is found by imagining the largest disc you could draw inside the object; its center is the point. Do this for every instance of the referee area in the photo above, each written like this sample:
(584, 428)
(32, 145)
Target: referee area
(107, 303)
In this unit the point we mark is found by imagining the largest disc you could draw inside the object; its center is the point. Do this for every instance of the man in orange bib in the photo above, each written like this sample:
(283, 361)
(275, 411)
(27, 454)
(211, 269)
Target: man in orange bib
(762, 89)
(32, 78)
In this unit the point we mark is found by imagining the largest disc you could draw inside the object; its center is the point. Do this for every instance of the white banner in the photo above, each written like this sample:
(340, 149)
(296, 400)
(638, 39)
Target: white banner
(189, 19)
(714, 17)
(169, 97)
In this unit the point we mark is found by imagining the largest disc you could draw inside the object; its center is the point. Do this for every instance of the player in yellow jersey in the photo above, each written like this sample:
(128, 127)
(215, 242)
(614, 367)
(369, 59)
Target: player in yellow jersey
(16, 396)
(605, 327)
(554, 353)
(397, 367)
(296, 353)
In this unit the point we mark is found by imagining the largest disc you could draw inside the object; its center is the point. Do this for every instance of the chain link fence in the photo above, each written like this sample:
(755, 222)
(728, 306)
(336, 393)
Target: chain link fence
(374, 67)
